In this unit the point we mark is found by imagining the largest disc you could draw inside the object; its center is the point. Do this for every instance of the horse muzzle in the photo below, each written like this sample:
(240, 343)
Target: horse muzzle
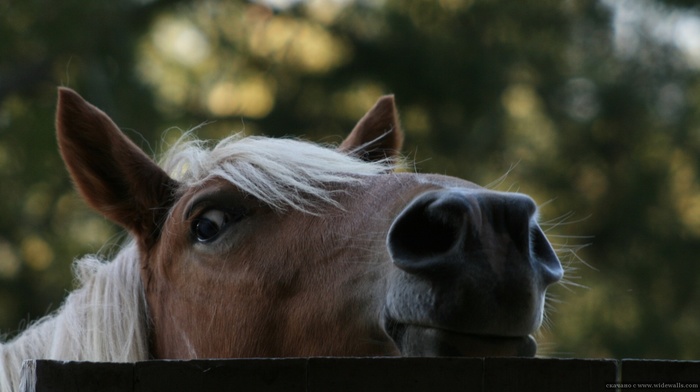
(472, 270)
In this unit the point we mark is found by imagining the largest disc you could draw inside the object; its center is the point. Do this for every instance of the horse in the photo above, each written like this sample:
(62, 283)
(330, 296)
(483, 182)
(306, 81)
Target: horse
(263, 247)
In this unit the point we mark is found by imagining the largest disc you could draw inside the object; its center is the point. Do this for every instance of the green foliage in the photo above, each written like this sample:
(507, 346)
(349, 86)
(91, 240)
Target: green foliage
(600, 127)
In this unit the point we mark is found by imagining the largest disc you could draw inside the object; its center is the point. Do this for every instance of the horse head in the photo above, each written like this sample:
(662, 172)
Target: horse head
(274, 247)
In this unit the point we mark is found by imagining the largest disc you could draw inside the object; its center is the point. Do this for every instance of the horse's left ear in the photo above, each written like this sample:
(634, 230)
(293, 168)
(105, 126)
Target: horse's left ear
(378, 135)
(113, 175)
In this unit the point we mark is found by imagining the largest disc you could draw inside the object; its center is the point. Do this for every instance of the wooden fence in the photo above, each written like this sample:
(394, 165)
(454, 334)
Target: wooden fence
(363, 375)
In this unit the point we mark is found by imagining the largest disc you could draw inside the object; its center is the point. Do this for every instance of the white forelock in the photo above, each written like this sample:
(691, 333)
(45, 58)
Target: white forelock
(283, 173)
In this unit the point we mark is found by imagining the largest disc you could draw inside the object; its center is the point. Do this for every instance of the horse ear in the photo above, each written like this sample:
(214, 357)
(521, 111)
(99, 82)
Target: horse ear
(113, 175)
(378, 135)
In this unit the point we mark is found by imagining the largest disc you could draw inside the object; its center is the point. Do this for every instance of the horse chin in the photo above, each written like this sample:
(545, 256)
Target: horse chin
(419, 341)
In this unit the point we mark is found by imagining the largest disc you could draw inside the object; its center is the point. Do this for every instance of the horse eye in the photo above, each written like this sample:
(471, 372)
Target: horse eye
(208, 226)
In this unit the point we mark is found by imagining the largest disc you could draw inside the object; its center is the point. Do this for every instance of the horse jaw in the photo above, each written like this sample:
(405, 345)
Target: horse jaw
(417, 341)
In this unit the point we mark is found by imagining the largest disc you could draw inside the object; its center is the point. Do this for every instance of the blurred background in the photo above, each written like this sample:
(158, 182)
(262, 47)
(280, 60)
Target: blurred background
(590, 106)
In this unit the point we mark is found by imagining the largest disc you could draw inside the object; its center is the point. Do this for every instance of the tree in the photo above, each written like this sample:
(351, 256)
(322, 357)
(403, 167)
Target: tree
(602, 135)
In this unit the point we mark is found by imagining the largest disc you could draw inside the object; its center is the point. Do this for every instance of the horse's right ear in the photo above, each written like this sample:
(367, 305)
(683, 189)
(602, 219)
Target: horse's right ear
(378, 135)
(113, 175)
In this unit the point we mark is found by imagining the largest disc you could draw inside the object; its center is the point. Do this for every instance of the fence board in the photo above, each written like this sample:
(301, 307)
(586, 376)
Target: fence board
(355, 374)
(394, 374)
(548, 375)
(273, 375)
(666, 375)
(55, 376)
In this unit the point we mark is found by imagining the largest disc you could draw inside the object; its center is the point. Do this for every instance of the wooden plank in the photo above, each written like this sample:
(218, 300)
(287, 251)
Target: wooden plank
(658, 375)
(547, 375)
(252, 375)
(360, 374)
(59, 376)
(394, 374)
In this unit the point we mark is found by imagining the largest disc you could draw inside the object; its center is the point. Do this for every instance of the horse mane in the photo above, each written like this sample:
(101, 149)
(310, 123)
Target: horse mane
(103, 320)
(283, 173)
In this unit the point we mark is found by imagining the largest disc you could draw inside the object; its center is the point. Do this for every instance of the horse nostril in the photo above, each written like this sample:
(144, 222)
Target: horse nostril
(431, 227)
(440, 230)
(552, 270)
(516, 213)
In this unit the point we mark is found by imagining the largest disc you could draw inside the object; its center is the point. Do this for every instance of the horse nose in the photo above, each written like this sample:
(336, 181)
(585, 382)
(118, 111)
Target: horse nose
(441, 229)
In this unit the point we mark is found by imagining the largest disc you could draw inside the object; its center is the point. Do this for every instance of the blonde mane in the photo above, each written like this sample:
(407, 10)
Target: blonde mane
(283, 173)
(105, 318)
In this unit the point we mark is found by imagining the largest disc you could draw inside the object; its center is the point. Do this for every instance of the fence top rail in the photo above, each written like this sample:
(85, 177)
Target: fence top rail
(359, 374)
